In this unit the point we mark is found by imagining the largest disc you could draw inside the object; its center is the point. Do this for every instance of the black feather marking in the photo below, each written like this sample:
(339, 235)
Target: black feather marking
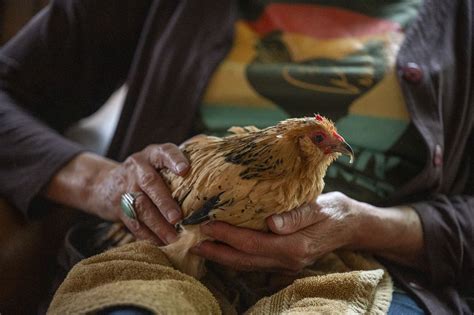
(180, 202)
(202, 214)
(256, 156)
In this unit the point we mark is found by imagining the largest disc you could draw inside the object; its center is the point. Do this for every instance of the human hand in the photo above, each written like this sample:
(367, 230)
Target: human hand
(155, 208)
(95, 184)
(299, 237)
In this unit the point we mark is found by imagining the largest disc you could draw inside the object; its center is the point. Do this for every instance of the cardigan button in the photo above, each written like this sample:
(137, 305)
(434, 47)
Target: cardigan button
(412, 73)
(438, 156)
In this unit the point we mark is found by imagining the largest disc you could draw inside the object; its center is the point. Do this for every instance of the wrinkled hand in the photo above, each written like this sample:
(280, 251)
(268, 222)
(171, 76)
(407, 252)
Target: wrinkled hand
(299, 237)
(156, 210)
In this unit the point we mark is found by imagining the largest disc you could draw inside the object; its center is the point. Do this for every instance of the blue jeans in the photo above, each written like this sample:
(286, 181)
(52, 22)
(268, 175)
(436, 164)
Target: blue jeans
(402, 304)
(124, 310)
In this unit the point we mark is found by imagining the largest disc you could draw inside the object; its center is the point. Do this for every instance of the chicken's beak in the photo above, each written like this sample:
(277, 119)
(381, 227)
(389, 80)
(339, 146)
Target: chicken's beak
(344, 148)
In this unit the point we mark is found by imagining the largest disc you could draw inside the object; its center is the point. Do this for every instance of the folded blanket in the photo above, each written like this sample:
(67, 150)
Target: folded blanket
(140, 274)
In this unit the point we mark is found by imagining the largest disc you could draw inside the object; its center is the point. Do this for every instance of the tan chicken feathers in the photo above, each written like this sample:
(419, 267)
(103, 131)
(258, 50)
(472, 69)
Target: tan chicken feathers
(245, 177)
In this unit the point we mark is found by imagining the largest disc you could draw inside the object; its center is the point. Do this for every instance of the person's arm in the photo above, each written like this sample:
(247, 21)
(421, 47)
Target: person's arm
(95, 185)
(393, 233)
(61, 67)
(434, 236)
(304, 234)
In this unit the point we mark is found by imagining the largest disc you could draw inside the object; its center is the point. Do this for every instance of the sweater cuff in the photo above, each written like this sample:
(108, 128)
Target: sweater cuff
(438, 243)
(27, 198)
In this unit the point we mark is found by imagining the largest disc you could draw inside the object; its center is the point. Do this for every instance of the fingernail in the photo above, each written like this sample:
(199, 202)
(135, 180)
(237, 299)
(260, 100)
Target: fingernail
(173, 216)
(170, 238)
(278, 221)
(181, 167)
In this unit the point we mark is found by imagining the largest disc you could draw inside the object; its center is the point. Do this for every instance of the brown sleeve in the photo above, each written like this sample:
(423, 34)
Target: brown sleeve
(61, 67)
(448, 227)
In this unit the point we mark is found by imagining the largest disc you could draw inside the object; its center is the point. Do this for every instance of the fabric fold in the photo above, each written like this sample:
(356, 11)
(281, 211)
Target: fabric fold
(140, 274)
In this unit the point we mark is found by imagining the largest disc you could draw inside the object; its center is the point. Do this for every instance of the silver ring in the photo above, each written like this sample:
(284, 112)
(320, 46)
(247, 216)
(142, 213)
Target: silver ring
(127, 203)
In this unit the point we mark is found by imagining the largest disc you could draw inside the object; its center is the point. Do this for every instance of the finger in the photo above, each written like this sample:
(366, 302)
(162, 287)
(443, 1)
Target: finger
(152, 184)
(140, 231)
(150, 216)
(127, 240)
(246, 240)
(289, 252)
(168, 156)
(228, 256)
(295, 220)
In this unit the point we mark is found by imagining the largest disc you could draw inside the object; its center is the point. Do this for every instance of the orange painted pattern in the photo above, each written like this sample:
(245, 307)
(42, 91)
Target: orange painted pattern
(319, 21)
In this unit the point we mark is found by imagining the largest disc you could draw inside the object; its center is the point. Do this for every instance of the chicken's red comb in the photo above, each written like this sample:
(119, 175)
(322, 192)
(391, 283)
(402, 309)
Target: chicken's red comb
(318, 117)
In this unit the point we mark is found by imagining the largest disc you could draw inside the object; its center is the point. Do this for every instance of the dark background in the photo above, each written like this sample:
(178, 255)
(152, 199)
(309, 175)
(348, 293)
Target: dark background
(28, 250)
(16, 13)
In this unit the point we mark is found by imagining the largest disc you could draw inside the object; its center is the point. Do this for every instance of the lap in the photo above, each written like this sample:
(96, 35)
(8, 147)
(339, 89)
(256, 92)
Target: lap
(125, 310)
(402, 303)
(249, 288)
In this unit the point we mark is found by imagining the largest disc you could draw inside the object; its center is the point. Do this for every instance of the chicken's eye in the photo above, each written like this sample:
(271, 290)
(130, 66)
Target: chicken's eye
(318, 138)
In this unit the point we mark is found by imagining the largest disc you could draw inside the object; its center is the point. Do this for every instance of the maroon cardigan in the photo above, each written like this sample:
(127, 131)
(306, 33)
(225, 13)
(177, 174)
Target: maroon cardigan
(74, 54)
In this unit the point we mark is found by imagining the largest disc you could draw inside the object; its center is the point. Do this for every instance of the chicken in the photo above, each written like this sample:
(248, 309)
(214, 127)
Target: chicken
(243, 178)
(248, 176)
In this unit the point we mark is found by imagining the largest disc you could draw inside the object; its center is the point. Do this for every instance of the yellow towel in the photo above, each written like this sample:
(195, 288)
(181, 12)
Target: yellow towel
(140, 274)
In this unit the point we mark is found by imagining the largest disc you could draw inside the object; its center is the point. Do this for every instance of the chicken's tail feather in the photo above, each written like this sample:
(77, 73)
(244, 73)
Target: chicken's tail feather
(178, 252)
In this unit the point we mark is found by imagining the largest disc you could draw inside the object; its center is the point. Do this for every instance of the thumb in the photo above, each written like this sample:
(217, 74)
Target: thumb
(294, 220)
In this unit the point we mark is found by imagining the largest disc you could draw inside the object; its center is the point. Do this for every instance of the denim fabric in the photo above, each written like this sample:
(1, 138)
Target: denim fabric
(125, 310)
(403, 304)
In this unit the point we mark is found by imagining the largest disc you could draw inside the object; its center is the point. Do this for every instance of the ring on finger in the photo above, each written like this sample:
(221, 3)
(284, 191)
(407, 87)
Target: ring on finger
(127, 203)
